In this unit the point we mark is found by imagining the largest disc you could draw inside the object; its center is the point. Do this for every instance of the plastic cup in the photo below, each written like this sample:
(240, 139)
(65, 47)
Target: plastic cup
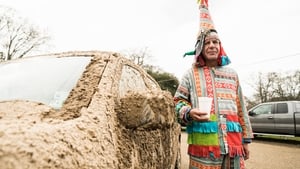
(205, 105)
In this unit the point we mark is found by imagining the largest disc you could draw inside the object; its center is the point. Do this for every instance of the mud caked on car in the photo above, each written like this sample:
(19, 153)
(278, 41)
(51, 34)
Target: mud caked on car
(84, 109)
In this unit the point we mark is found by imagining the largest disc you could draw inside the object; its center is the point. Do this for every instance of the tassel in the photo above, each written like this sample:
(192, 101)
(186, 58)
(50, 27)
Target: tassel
(189, 53)
(225, 60)
(203, 3)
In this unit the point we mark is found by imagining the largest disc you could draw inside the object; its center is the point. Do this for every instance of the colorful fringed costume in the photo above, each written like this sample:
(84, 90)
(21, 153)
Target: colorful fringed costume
(229, 124)
(229, 127)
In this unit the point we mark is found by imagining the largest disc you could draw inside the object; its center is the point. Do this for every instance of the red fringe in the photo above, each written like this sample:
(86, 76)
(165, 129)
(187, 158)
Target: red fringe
(235, 146)
(234, 139)
(236, 151)
(204, 151)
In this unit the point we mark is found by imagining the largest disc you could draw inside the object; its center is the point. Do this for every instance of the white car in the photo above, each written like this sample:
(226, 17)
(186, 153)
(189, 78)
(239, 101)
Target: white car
(84, 109)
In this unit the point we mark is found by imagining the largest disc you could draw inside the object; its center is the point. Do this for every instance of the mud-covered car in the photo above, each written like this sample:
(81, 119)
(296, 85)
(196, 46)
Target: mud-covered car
(87, 109)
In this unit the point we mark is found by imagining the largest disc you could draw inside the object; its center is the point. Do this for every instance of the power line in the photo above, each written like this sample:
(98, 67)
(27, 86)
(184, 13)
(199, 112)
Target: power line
(271, 59)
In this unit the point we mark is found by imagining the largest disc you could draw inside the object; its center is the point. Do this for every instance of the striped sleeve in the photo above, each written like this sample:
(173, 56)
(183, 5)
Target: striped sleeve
(182, 100)
(243, 114)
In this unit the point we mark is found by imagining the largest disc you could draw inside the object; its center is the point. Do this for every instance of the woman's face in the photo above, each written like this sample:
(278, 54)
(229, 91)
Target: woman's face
(211, 49)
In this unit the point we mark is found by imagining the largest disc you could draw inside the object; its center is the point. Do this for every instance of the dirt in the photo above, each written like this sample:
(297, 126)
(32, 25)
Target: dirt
(91, 131)
(263, 155)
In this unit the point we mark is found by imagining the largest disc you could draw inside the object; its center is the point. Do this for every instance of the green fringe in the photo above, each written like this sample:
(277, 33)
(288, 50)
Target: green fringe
(203, 139)
(204, 127)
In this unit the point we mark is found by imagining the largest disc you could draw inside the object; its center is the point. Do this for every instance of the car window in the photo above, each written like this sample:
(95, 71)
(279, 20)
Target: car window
(131, 80)
(263, 109)
(282, 108)
(42, 79)
(297, 107)
(153, 84)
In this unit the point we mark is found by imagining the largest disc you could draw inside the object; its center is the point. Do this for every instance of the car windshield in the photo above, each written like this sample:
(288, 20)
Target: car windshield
(42, 79)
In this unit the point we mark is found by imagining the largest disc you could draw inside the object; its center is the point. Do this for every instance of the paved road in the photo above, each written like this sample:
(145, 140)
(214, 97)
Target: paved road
(263, 155)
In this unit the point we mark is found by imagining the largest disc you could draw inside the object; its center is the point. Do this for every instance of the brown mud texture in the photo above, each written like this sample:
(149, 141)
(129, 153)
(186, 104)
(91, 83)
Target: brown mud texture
(131, 133)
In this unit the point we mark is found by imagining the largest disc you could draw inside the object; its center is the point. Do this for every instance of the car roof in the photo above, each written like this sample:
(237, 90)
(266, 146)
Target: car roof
(288, 101)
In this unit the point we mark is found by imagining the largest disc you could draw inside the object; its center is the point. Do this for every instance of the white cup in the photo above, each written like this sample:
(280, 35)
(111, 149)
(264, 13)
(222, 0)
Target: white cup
(205, 105)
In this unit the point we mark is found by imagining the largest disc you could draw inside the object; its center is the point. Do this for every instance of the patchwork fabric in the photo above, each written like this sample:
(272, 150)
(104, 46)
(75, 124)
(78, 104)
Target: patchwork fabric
(224, 162)
(229, 123)
(204, 163)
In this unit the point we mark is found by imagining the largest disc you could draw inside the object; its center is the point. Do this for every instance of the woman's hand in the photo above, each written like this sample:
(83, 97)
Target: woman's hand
(196, 115)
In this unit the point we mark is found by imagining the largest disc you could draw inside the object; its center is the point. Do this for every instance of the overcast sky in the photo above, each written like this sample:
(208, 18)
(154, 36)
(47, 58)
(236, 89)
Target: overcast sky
(257, 35)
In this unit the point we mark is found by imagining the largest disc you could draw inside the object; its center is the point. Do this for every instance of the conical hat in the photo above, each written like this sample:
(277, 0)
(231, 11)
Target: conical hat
(206, 22)
(206, 27)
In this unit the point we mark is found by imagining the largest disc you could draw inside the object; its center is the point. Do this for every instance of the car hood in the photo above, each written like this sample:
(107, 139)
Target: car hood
(23, 111)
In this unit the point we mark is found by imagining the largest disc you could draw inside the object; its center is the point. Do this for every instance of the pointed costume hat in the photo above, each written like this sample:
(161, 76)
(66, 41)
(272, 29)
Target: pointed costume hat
(206, 27)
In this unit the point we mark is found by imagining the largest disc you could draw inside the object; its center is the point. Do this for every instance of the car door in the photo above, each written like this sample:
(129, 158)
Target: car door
(147, 112)
(262, 118)
(284, 121)
(133, 84)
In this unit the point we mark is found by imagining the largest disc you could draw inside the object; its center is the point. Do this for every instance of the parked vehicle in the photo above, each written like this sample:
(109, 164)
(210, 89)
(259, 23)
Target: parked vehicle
(84, 109)
(276, 118)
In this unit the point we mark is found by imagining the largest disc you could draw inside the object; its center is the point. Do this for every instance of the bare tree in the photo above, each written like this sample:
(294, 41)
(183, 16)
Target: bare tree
(275, 87)
(297, 80)
(293, 86)
(280, 86)
(139, 56)
(17, 36)
(263, 87)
